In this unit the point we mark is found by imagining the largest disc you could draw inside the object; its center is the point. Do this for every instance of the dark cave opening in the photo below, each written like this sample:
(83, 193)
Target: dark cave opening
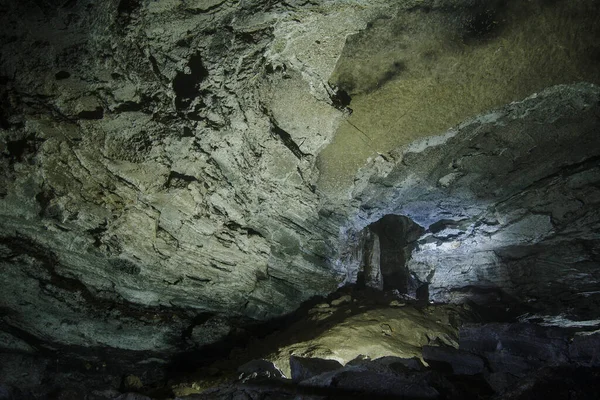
(387, 245)
(185, 83)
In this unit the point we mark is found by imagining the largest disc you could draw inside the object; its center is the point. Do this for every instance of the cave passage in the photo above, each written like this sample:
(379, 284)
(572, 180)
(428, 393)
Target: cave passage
(387, 246)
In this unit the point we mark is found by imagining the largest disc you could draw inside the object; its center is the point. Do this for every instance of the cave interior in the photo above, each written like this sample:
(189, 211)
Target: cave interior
(340, 199)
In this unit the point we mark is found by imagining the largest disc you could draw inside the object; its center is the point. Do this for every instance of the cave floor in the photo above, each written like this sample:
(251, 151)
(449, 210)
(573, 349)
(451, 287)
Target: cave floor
(381, 344)
(363, 328)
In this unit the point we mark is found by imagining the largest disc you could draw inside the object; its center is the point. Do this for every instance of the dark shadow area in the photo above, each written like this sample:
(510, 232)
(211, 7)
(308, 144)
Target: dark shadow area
(97, 113)
(393, 237)
(125, 11)
(185, 84)
(397, 235)
(61, 75)
(341, 100)
(484, 22)
(253, 331)
(20, 149)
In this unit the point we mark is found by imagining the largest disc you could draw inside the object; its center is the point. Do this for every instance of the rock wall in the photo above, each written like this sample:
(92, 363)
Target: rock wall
(509, 199)
(159, 182)
(153, 173)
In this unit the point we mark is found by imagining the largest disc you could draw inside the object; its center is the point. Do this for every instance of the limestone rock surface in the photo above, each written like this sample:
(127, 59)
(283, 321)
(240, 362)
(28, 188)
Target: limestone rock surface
(161, 179)
(509, 201)
(158, 172)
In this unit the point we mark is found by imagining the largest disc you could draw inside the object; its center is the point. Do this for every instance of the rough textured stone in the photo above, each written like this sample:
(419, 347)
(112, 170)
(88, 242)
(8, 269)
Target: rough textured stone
(304, 368)
(500, 229)
(504, 359)
(460, 362)
(516, 348)
(562, 382)
(155, 176)
(501, 381)
(164, 164)
(365, 334)
(372, 333)
(584, 349)
(424, 66)
(259, 369)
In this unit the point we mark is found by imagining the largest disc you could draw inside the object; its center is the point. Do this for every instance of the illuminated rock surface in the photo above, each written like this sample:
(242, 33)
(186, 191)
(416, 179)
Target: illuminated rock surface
(426, 356)
(511, 206)
(174, 172)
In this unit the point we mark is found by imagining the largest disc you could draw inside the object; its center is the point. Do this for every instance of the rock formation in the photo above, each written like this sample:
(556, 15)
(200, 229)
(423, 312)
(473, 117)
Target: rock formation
(510, 206)
(174, 171)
